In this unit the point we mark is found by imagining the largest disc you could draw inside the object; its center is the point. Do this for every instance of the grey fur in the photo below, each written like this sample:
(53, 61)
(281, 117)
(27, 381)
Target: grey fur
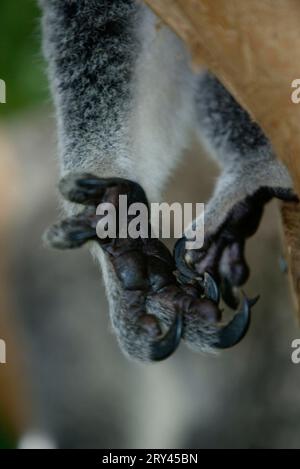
(245, 156)
(127, 103)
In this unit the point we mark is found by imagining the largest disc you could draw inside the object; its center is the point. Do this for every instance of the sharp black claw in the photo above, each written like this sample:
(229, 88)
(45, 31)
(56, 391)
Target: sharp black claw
(228, 294)
(69, 234)
(186, 273)
(94, 185)
(211, 289)
(81, 237)
(236, 330)
(88, 180)
(166, 345)
(253, 301)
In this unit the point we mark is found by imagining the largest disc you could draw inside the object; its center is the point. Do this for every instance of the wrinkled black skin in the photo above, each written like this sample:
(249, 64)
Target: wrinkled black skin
(227, 245)
(142, 265)
(145, 267)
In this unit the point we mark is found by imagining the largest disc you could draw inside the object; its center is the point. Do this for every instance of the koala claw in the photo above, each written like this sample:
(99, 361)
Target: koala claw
(211, 289)
(236, 330)
(228, 293)
(166, 345)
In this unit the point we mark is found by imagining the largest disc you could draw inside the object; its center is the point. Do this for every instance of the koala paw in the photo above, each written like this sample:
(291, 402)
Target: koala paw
(157, 309)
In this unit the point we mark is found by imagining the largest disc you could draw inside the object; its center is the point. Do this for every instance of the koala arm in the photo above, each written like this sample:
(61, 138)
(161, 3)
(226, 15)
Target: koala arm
(124, 97)
(250, 176)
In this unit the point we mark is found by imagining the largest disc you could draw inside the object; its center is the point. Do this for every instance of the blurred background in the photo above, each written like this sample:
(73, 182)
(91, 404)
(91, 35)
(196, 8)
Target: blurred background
(66, 383)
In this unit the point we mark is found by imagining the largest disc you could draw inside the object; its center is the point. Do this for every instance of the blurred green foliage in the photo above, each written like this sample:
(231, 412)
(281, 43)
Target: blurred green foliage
(21, 62)
(6, 442)
(22, 69)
